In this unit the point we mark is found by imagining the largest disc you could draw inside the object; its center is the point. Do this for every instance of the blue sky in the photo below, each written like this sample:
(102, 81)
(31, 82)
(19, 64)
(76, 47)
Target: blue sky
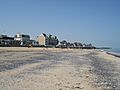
(86, 21)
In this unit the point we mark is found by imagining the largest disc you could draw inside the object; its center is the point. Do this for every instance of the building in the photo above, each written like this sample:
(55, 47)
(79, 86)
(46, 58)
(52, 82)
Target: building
(25, 40)
(22, 38)
(45, 40)
(33, 43)
(77, 45)
(8, 41)
(65, 44)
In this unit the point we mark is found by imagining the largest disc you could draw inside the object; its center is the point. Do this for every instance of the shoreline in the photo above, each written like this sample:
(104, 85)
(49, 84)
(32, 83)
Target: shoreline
(113, 54)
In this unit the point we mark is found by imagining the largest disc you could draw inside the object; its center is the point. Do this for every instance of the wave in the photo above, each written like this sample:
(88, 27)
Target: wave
(114, 54)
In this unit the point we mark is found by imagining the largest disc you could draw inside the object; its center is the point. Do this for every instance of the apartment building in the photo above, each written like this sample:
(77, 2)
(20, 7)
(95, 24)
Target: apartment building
(47, 40)
(8, 41)
(25, 40)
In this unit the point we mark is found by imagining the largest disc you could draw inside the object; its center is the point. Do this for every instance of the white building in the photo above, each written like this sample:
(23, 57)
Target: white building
(25, 40)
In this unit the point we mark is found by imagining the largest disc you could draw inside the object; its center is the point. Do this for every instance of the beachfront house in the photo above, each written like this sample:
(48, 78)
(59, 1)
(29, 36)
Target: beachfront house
(25, 40)
(77, 45)
(8, 41)
(65, 44)
(22, 38)
(88, 46)
(47, 40)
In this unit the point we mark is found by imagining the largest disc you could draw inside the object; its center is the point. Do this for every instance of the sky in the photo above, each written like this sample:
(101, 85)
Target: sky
(85, 21)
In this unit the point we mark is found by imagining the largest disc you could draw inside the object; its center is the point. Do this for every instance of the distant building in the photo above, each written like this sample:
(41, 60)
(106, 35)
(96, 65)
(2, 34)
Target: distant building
(88, 46)
(8, 41)
(33, 43)
(45, 40)
(25, 40)
(65, 44)
(77, 45)
(22, 38)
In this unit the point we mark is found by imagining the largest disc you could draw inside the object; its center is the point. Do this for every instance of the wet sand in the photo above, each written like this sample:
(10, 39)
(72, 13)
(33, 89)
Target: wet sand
(58, 69)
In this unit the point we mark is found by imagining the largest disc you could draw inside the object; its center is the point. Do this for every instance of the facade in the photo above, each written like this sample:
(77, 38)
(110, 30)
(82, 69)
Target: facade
(65, 44)
(45, 40)
(22, 38)
(33, 43)
(88, 46)
(42, 40)
(77, 45)
(25, 40)
(8, 41)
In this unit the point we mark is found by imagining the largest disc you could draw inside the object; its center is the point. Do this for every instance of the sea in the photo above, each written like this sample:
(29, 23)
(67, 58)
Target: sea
(115, 51)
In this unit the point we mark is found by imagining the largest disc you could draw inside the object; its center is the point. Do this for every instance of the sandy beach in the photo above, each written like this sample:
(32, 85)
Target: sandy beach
(24, 68)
